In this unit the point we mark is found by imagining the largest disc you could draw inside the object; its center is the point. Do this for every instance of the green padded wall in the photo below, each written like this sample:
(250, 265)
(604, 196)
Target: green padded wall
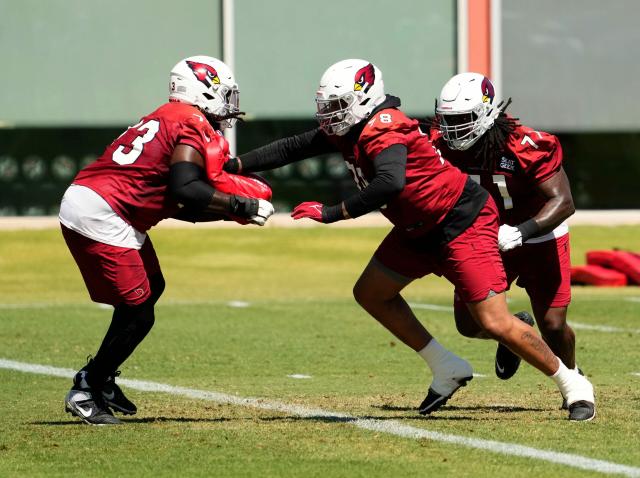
(93, 62)
(284, 46)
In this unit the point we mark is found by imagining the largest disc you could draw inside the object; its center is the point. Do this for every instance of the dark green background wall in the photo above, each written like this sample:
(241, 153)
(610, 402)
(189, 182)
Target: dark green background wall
(37, 164)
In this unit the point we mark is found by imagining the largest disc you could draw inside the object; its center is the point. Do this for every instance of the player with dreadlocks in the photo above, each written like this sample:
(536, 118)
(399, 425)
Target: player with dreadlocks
(522, 169)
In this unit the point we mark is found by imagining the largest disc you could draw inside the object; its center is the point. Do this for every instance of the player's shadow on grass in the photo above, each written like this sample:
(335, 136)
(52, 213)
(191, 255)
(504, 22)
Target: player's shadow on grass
(126, 420)
(355, 418)
(486, 408)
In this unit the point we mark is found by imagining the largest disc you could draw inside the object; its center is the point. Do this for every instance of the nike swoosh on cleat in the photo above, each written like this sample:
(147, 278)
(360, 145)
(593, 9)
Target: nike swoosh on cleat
(109, 396)
(499, 368)
(433, 404)
(84, 412)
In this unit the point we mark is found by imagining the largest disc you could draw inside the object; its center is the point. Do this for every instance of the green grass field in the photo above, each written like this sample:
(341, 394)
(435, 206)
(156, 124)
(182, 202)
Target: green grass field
(300, 319)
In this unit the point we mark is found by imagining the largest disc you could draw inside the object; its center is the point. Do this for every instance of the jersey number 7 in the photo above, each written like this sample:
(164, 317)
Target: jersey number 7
(500, 181)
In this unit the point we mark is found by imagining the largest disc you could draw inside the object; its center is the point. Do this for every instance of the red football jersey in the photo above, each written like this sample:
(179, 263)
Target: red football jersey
(432, 185)
(133, 172)
(530, 158)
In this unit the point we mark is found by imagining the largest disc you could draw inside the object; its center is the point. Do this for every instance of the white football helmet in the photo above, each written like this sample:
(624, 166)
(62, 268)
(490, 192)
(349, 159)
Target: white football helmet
(207, 83)
(348, 93)
(465, 109)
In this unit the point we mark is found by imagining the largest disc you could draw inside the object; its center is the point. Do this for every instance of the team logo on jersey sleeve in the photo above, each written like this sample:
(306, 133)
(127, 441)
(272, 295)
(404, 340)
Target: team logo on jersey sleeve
(487, 90)
(206, 74)
(365, 78)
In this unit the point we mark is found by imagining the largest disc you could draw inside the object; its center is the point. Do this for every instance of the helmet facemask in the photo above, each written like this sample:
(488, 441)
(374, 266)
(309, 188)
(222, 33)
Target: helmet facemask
(465, 109)
(222, 107)
(334, 113)
(462, 129)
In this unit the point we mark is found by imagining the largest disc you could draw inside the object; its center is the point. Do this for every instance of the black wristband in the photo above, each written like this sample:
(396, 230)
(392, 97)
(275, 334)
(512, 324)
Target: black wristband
(528, 229)
(332, 213)
(243, 207)
(231, 165)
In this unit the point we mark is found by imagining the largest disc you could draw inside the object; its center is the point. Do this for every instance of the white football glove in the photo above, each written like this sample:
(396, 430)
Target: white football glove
(265, 209)
(509, 237)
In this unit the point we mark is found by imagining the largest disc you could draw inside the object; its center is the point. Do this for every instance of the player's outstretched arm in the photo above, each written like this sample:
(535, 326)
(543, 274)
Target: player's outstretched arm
(281, 152)
(389, 181)
(189, 187)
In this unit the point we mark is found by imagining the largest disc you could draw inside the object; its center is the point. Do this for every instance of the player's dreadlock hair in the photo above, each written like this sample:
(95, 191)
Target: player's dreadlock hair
(491, 146)
(215, 119)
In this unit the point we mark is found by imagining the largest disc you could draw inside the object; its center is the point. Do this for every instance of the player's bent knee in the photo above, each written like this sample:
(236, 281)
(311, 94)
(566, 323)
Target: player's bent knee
(466, 330)
(466, 326)
(361, 293)
(555, 329)
(367, 293)
(496, 327)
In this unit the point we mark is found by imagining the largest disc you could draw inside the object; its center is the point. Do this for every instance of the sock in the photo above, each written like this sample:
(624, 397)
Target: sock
(572, 386)
(129, 326)
(433, 353)
(562, 374)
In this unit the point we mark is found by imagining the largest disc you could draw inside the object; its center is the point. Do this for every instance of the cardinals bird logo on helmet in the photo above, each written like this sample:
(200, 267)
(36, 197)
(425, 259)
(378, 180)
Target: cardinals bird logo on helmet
(488, 93)
(206, 74)
(365, 78)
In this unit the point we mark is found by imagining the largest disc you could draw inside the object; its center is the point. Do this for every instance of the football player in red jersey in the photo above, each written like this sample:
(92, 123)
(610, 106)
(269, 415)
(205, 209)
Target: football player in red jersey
(522, 170)
(444, 223)
(167, 165)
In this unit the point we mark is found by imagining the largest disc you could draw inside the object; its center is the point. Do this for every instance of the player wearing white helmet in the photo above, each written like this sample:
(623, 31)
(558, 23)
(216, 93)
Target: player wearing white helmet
(349, 91)
(522, 170)
(169, 164)
(209, 84)
(444, 223)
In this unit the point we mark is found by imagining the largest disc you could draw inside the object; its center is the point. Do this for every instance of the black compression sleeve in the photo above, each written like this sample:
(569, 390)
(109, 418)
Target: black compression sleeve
(203, 216)
(188, 186)
(390, 177)
(286, 150)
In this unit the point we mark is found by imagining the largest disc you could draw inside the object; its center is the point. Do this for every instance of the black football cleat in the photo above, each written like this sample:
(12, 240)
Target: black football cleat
(454, 373)
(582, 411)
(86, 403)
(434, 401)
(114, 397)
(507, 363)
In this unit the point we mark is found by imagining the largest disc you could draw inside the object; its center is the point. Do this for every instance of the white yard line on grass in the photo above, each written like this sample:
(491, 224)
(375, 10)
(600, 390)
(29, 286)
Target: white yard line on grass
(603, 328)
(439, 308)
(242, 304)
(391, 427)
